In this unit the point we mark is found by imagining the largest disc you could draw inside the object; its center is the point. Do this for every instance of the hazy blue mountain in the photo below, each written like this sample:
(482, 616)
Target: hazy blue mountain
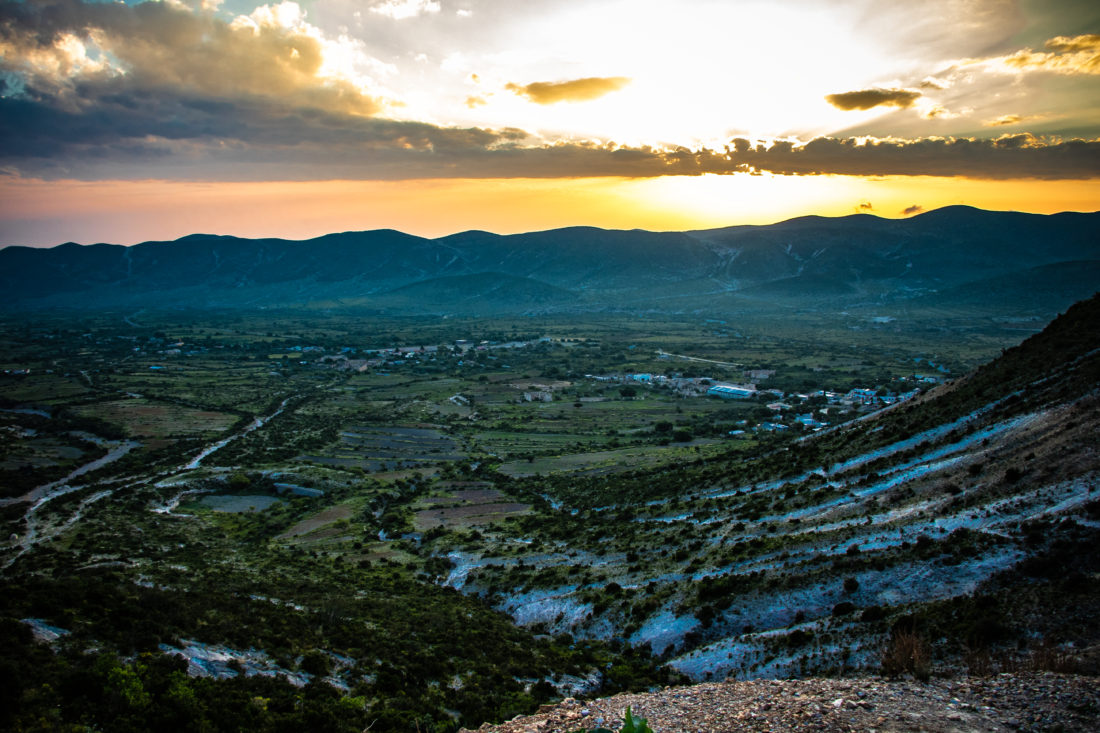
(961, 254)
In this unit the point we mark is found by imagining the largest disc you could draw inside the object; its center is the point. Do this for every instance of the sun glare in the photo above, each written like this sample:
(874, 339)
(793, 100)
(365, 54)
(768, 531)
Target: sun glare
(716, 71)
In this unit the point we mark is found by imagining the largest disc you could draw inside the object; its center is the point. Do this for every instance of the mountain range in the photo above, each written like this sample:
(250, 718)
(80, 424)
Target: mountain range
(958, 256)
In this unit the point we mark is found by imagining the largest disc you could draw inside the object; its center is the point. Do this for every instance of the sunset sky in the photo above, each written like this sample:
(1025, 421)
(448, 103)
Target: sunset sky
(127, 122)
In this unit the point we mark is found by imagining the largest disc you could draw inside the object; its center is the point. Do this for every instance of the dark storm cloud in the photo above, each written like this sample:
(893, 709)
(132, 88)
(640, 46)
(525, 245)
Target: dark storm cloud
(870, 98)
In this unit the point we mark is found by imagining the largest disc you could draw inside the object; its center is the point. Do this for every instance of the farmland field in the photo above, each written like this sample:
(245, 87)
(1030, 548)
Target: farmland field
(144, 419)
(465, 507)
(384, 449)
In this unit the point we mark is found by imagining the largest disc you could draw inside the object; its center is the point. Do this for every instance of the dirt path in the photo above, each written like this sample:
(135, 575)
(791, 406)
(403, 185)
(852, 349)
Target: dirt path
(685, 357)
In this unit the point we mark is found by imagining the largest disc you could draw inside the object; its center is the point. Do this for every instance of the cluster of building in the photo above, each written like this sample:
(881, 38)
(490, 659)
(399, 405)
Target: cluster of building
(783, 405)
(363, 359)
(681, 386)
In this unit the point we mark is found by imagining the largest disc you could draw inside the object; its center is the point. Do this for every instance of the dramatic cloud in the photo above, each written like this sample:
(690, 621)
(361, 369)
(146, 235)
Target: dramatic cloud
(575, 90)
(870, 98)
(157, 90)
(70, 52)
(190, 138)
(914, 209)
(1066, 55)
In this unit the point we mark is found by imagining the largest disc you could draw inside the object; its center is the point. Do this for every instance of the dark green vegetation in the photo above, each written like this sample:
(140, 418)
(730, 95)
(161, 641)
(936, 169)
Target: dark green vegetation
(1001, 263)
(347, 521)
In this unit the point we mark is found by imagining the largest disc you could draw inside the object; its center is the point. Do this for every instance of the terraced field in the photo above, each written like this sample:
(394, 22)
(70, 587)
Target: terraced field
(466, 505)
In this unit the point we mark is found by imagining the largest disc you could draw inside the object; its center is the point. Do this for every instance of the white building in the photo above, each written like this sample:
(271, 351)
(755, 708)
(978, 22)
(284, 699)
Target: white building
(733, 391)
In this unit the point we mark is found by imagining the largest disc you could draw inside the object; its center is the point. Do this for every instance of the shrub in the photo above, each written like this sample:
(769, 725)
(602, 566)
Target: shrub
(872, 613)
(1049, 657)
(907, 652)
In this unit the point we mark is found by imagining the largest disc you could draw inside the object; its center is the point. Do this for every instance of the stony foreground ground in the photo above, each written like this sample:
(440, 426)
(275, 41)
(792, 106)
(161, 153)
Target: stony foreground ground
(1017, 702)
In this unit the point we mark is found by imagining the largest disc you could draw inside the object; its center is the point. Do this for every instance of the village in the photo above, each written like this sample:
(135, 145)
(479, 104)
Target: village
(797, 411)
(810, 411)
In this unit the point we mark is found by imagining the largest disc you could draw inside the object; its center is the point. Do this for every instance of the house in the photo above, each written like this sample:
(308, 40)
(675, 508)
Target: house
(809, 421)
(772, 427)
(760, 373)
(539, 396)
(861, 396)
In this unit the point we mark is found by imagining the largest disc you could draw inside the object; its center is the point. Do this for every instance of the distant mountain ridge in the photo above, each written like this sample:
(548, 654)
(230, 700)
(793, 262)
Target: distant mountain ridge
(808, 262)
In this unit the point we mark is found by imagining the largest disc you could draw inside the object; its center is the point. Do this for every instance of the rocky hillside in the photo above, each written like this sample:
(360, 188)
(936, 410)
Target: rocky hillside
(970, 516)
(974, 704)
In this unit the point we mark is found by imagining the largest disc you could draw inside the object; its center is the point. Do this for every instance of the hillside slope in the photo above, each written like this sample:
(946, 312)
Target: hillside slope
(970, 513)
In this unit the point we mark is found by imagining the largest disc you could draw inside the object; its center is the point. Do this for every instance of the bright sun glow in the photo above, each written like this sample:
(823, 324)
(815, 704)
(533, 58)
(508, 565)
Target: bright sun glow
(670, 99)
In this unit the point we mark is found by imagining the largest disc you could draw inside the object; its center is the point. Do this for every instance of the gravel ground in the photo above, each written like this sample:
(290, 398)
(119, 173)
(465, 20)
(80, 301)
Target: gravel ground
(1006, 702)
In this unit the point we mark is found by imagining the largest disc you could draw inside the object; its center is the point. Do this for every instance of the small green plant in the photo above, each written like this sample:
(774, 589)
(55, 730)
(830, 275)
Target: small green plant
(634, 725)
